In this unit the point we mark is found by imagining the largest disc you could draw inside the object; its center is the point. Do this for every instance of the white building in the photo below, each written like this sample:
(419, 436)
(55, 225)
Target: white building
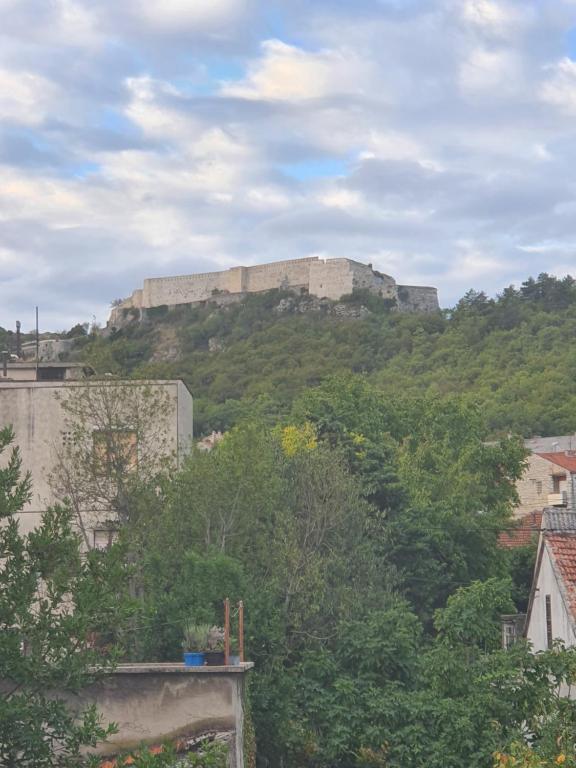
(42, 425)
(552, 606)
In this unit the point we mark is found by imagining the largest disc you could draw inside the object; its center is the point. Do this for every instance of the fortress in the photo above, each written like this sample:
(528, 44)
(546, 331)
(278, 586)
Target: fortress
(331, 279)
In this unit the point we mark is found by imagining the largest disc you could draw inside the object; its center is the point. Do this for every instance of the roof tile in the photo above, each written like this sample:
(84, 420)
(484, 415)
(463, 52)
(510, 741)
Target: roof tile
(563, 549)
(562, 459)
(526, 532)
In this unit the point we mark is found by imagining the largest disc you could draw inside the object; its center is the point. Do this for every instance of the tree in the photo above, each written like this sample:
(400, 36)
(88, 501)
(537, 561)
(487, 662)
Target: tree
(52, 601)
(116, 453)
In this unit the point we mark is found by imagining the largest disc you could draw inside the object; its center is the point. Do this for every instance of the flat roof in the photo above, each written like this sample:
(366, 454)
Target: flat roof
(9, 383)
(180, 669)
(18, 364)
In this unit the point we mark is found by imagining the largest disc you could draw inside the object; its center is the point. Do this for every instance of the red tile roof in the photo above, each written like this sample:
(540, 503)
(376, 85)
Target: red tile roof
(563, 549)
(563, 460)
(526, 532)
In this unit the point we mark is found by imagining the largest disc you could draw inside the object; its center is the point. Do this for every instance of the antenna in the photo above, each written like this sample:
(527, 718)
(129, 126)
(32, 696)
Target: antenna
(37, 344)
(18, 339)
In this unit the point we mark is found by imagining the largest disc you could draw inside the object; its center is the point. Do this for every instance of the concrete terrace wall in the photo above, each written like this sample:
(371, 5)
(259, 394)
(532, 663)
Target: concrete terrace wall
(152, 703)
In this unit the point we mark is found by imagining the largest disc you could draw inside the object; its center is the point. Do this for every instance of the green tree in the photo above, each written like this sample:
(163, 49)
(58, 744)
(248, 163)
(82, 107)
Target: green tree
(52, 602)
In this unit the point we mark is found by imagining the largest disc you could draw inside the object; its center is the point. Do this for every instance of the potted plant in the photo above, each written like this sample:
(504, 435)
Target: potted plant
(215, 647)
(195, 643)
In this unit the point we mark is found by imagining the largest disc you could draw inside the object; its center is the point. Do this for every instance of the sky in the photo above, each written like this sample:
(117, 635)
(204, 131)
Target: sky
(433, 138)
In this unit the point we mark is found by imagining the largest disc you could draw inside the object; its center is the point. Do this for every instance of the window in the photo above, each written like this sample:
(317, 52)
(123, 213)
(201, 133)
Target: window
(508, 635)
(548, 622)
(51, 374)
(538, 487)
(115, 451)
(556, 480)
(512, 628)
(104, 538)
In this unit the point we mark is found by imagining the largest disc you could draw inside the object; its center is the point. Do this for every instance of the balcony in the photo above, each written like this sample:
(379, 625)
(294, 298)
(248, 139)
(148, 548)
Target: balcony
(557, 499)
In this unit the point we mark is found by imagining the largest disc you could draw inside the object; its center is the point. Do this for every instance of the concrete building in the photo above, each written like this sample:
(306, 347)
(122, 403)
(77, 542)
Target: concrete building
(331, 278)
(28, 370)
(154, 703)
(548, 481)
(42, 426)
(552, 606)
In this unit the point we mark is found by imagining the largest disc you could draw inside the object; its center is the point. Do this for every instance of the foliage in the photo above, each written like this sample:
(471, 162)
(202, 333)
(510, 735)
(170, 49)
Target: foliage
(195, 636)
(52, 601)
(212, 754)
(324, 540)
(508, 354)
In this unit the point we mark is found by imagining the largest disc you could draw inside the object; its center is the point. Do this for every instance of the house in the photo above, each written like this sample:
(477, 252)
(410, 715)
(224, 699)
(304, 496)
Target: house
(548, 481)
(522, 532)
(551, 444)
(552, 606)
(43, 420)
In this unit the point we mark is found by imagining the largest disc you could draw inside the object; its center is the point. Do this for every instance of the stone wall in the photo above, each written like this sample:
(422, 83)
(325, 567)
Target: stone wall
(412, 298)
(169, 291)
(537, 482)
(280, 274)
(331, 278)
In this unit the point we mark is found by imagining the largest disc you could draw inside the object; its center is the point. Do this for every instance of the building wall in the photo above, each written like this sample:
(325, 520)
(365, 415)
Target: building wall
(39, 423)
(182, 290)
(331, 278)
(280, 274)
(561, 624)
(412, 298)
(154, 703)
(537, 482)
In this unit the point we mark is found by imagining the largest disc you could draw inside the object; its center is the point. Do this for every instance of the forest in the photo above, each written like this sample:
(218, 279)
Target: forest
(511, 354)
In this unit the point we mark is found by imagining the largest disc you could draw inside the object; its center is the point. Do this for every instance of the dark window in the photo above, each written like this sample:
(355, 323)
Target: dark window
(556, 480)
(548, 622)
(115, 451)
(104, 538)
(51, 374)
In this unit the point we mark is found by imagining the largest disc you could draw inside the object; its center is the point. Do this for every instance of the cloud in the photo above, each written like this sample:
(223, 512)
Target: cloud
(433, 138)
(205, 15)
(559, 89)
(286, 72)
(25, 97)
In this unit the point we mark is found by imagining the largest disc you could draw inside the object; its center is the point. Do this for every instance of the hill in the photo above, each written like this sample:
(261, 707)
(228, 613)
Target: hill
(513, 354)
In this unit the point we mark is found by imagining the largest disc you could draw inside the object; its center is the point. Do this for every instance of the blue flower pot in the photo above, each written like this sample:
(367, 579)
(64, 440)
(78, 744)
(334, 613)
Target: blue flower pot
(193, 659)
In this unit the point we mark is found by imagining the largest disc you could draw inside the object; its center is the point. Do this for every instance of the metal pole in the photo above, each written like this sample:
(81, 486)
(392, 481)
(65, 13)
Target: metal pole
(37, 344)
(227, 631)
(241, 630)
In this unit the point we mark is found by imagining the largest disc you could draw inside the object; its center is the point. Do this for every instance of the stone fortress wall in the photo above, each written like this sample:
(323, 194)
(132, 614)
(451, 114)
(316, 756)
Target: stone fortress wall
(331, 279)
